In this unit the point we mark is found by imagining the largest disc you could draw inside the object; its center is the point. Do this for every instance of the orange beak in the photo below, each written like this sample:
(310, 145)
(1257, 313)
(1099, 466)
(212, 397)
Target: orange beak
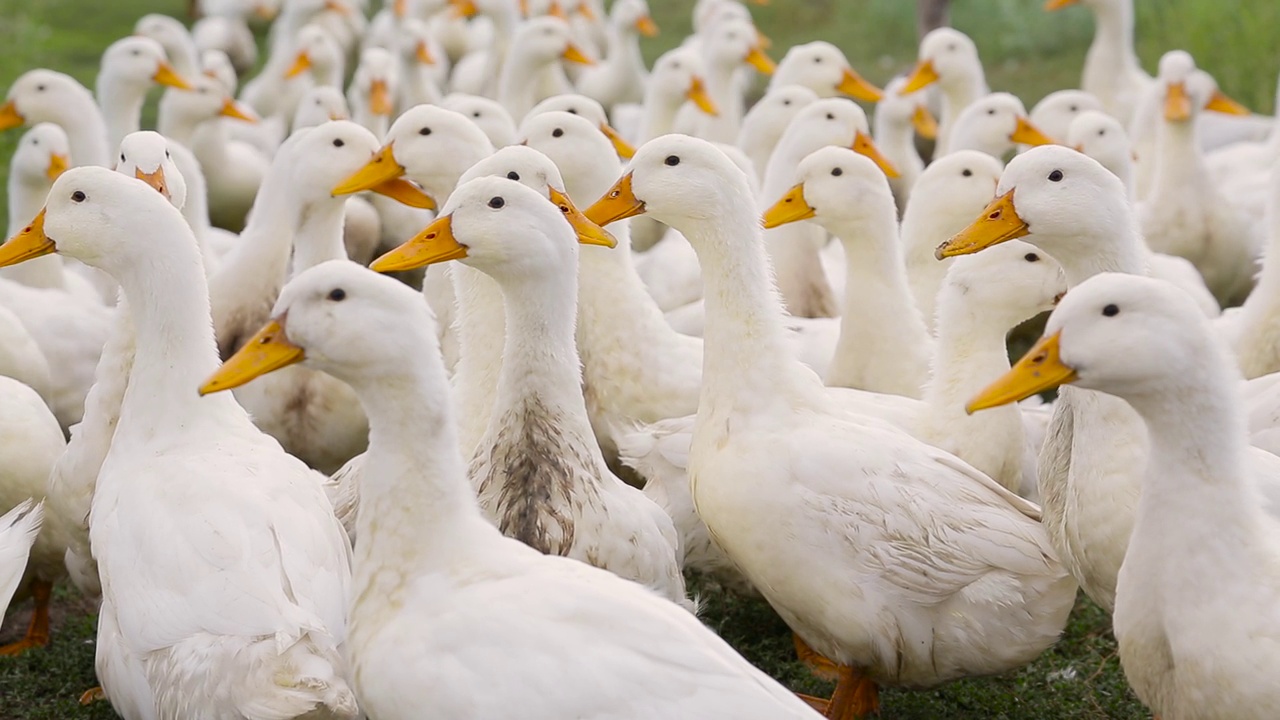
(155, 180)
(380, 98)
(645, 26)
(921, 77)
(758, 60)
(864, 145)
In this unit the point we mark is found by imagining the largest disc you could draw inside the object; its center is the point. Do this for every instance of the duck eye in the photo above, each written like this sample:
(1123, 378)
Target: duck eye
(122, 157)
(573, 111)
(786, 102)
(672, 160)
(513, 175)
(837, 171)
(427, 131)
(337, 142)
(135, 53)
(831, 116)
(557, 133)
(952, 46)
(966, 172)
(1073, 108)
(1111, 310)
(1101, 133)
(40, 88)
(78, 196)
(1031, 257)
(205, 91)
(817, 60)
(991, 111)
(35, 141)
(475, 114)
(337, 294)
(166, 153)
(496, 203)
(1055, 176)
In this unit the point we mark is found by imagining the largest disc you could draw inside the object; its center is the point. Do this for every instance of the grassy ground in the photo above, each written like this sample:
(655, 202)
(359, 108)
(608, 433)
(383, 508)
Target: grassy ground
(1025, 50)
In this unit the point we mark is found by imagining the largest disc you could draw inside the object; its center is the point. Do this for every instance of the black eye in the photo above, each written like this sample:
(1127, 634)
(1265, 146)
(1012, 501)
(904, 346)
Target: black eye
(40, 88)
(557, 133)
(318, 103)
(427, 131)
(573, 111)
(337, 294)
(205, 91)
(337, 142)
(837, 172)
(135, 53)
(78, 196)
(991, 111)
(122, 158)
(966, 172)
(817, 60)
(786, 102)
(675, 66)
(1111, 310)
(672, 160)
(831, 116)
(1073, 108)
(952, 46)
(1055, 176)
(513, 175)
(1101, 133)
(166, 153)
(496, 203)
(1031, 257)
(35, 142)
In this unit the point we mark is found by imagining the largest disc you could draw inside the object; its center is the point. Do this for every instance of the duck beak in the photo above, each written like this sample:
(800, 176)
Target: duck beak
(921, 77)
(1052, 5)
(301, 64)
(423, 52)
(758, 60)
(1177, 104)
(573, 53)
(791, 208)
(853, 85)
(467, 8)
(646, 26)
(264, 12)
(30, 243)
(268, 350)
(1220, 102)
(523, 6)
(863, 145)
(1039, 370)
(435, 244)
(588, 232)
(554, 10)
(166, 75)
(698, 95)
(620, 144)
(155, 180)
(406, 193)
(400, 8)
(1027, 134)
(925, 124)
(233, 109)
(585, 10)
(763, 40)
(381, 169)
(337, 7)
(58, 164)
(10, 117)
(998, 223)
(619, 203)
(380, 98)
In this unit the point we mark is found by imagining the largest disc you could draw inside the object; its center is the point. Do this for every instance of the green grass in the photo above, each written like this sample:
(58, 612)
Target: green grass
(1025, 50)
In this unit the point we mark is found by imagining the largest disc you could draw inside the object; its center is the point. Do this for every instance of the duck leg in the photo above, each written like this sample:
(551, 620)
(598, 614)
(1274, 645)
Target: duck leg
(820, 666)
(38, 631)
(816, 703)
(92, 695)
(856, 696)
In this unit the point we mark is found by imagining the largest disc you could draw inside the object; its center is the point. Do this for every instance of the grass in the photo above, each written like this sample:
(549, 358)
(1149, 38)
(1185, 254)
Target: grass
(1025, 50)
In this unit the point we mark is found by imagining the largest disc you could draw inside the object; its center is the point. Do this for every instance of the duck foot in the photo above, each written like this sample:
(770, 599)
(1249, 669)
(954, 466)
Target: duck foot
(856, 696)
(819, 665)
(816, 703)
(92, 695)
(38, 631)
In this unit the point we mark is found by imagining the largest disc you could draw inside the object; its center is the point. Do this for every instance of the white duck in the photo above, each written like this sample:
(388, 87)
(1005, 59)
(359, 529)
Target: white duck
(345, 320)
(1242, 169)
(678, 76)
(478, 73)
(1055, 112)
(130, 67)
(373, 90)
(21, 357)
(1202, 541)
(727, 48)
(424, 67)
(489, 115)
(223, 26)
(767, 120)
(179, 47)
(898, 119)
(269, 614)
(18, 530)
(824, 69)
(46, 96)
(319, 58)
(1254, 330)
(536, 49)
(994, 124)
(621, 76)
(32, 442)
(949, 58)
(761, 412)
(320, 105)
(1112, 72)
(884, 345)
(590, 110)
(574, 506)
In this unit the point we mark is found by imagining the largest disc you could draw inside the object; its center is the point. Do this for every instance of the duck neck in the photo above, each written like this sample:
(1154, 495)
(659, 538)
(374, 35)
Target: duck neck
(1123, 252)
(171, 122)
(86, 130)
(520, 84)
(614, 308)
(25, 200)
(1112, 45)
(724, 91)
(660, 108)
(260, 258)
(622, 55)
(1180, 166)
(121, 103)
(168, 301)
(481, 331)
(896, 140)
(319, 237)
(970, 351)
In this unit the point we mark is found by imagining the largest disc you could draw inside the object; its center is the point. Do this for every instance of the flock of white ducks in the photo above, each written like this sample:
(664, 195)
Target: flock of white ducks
(666, 325)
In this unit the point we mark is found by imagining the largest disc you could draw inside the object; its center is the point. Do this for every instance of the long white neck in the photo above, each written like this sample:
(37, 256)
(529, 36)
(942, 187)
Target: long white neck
(172, 123)
(259, 261)
(794, 248)
(896, 140)
(880, 319)
(520, 85)
(1112, 45)
(1179, 164)
(482, 329)
(319, 237)
(660, 107)
(1123, 252)
(623, 61)
(121, 103)
(86, 130)
(504, 24)
(722, 88)
(25, 200)
(168, 300)
(957, 94)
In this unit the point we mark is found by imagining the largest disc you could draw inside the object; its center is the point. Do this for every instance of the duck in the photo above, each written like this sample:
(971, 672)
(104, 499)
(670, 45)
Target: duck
(348, 321)
(743, 469)
(884, 345)
(621, 76)
(179, 47)
(1055, 112)
(794, 249)
(424, 67)
(575, 507)
(478, 73)
(727, 47)
(949, 58)
(1112, 72)
(1185, 214)
(489, 115)
(33, 441)
(21, 357)
(678, 76)
(1241, 169)
(1202, 541)
(130, 67)
(320, 105)
(298, 576)
(592, 111)
(537, 48)
(994, 124)
(635, 367)
(319, 61)
(49, 96)
(223, 26)
(18, 530)
(373, 90)
(1251, 332)
(824, 69)
(898, 119)
(767, 120)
